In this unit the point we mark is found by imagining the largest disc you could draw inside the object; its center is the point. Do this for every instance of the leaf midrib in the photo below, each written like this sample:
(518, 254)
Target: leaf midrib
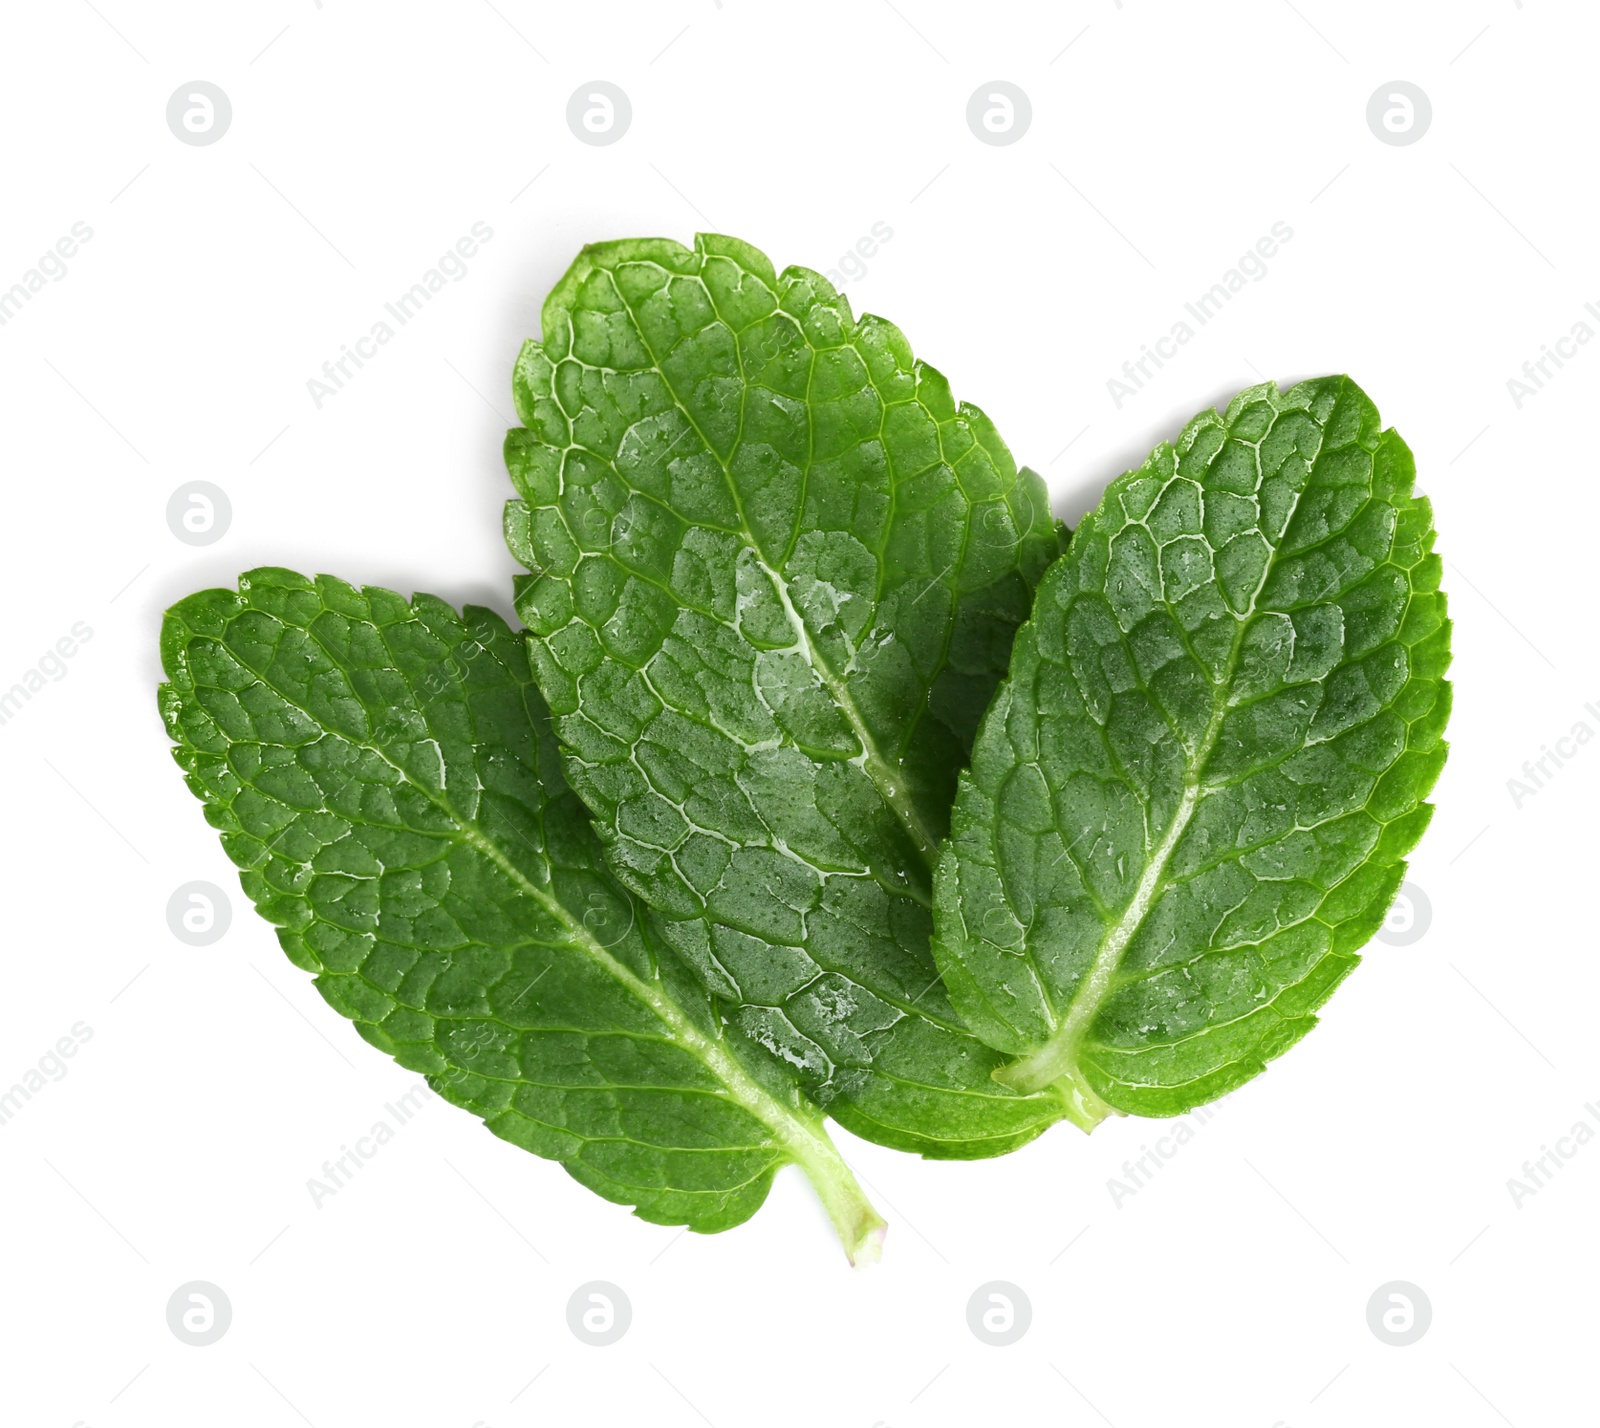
(1056, 1059)
(1058, 1056)
(799, 1137)
(892, 789)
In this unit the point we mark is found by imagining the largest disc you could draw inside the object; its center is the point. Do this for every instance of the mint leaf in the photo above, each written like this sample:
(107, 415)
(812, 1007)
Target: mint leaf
(384, 775)
(1190, 802)
(776, 575)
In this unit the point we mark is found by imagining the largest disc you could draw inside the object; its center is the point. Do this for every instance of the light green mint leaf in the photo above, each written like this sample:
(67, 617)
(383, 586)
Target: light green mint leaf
(384, 774)
(777, 571)
(1190, 802)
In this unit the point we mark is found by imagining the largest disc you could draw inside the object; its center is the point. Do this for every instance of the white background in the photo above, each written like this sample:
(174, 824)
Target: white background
(1165, 140)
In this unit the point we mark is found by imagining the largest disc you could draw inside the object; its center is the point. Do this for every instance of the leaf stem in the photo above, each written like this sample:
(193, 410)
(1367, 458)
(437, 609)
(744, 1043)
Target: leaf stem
(861, 1228)
(803, 1137)
(1052, 1067)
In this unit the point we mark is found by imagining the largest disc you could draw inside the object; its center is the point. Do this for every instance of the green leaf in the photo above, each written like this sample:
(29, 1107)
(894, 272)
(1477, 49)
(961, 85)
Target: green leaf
(777, 571)
(384, 774)
(1190, 802)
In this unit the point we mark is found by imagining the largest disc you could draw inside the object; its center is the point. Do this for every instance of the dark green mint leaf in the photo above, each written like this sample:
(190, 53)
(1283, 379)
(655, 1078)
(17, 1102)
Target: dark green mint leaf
(1190, 802)
(384, 774)
(777, 571)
